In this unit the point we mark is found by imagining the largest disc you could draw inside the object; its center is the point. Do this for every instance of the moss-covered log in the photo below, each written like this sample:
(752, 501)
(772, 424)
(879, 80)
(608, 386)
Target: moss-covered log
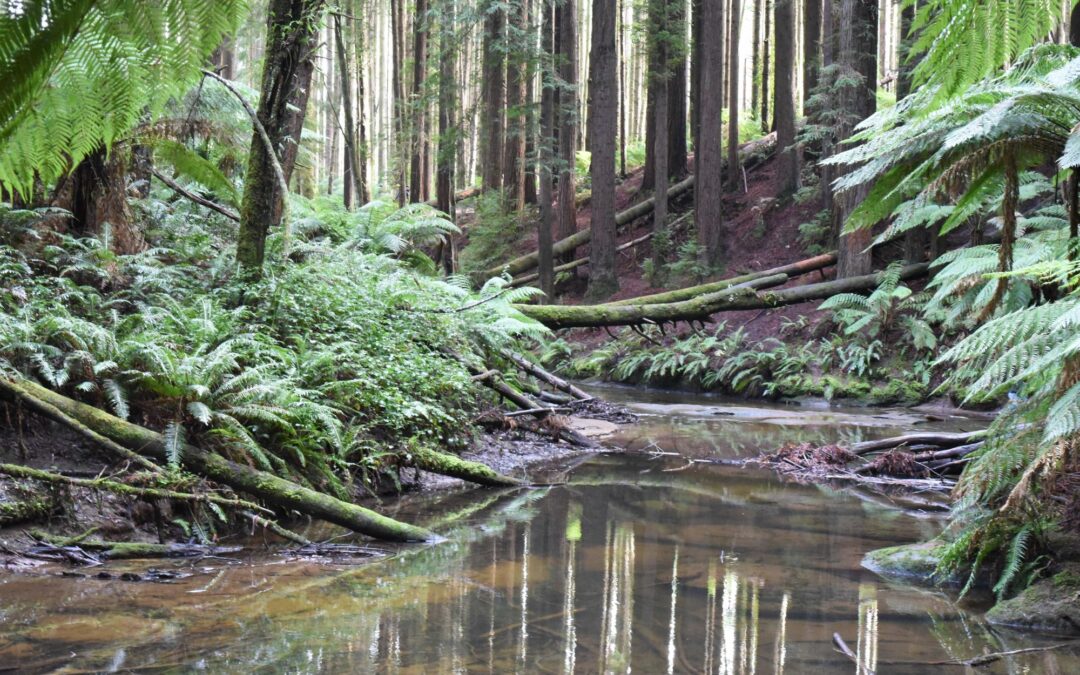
(700, 308)
(128, 550)
(271, 489)
(793, 270)
(446, 464)
(703, 307)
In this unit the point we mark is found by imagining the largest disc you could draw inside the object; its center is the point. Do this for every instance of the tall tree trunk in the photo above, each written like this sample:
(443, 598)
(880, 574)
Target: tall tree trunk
(516, 81)
(696, 49)
(447, 152)
(755, 59)
(286, 83)
(493, 133)
(1074, 26)
(811, 45)
(708, 208)
(784, 100)
(917, 240)
(677, 158)
(361, 128)
(661, 74)
(765, 45)
(349, 175)
(857, 55)
(397, 37)
(95, 193)
(568, 113)
(602, 118)
(648, 175)
(734, 167)
(418, 187)
(623, 95)
(548, 95)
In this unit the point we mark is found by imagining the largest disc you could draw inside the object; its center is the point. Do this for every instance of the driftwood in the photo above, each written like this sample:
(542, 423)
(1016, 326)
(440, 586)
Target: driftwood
(273, 490)
(703, 307)
(125, 550)
(940, 439)
(753, 155)
(546, 377)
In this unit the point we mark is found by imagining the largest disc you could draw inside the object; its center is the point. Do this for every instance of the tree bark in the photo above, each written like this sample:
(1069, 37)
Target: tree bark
(349, 174)
(765, 42)
(516, 81)
(603, 112)
(857, 56)
(734, 167)
(784, 100)
(708, 207)
(545, 259)
(676, 113)
(811, 45)
(418, 187)
(493, 132)
(292, 27)
(446, 155)
(568, 113)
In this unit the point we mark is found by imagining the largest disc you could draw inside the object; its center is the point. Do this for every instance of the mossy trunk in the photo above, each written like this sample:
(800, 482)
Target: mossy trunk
(449, 465)
(702, 307)
(273, 490)
(26, 510)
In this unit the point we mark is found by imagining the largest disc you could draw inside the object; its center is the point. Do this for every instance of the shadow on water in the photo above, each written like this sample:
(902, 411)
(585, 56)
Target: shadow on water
(636, 562)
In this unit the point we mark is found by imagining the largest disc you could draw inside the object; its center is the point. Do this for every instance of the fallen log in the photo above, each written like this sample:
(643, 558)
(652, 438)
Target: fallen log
(127, 550)
(792, 270)
(191, 196)
(703, 307)
(752, 152)
(273, 490)
(31, 508)
(545, 376)
(450, 465)
(562, 247)
(940, 439)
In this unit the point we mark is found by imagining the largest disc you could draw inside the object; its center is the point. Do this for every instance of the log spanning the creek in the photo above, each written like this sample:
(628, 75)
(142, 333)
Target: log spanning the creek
(703, 307)
(267, 487)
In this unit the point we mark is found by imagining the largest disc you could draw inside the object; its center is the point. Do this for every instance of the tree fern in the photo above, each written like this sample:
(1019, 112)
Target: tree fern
(78, 74)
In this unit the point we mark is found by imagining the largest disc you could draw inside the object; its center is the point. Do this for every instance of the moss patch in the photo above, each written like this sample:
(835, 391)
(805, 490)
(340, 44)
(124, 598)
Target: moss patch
(913, 563)
(1048, 606)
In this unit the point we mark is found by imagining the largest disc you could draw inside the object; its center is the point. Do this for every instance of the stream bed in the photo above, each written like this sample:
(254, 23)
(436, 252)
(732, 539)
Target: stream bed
(641, 560)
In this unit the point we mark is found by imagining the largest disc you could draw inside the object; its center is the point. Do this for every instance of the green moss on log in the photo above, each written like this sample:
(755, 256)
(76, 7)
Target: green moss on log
(448, 465)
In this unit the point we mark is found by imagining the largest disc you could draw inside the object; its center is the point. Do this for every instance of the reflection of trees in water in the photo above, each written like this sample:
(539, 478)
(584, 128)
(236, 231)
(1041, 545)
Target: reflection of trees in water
(867, 650)
(617, 621)
(694, 438)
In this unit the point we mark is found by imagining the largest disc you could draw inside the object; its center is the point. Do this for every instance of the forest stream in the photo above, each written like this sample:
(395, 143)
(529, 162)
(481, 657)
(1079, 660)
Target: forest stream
(641, 560)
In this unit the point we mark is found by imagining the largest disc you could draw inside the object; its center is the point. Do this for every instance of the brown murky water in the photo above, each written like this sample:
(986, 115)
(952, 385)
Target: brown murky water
(639, 562)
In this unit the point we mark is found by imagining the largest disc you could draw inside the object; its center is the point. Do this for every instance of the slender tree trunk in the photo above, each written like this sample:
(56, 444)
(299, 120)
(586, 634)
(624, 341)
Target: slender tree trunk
(568, 110)
(755, 60)
(677, 158)
(660, 73)
(286, 82)
(857, 26)
(734, 167)
(648, 176)
(708, 209)
(784, 100)
(361, 127)
(696, 49)
(1074, 26)
(349, 174)
(548, 95)
(494, 131)
(516, 80)
(765, 45)
(620, 57)
(603, 112)
(447, 152)
(418, 187)
(397, 30)
(811, 45)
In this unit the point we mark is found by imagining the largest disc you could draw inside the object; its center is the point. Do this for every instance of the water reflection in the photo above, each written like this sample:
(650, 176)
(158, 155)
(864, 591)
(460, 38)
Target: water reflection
(628, 567)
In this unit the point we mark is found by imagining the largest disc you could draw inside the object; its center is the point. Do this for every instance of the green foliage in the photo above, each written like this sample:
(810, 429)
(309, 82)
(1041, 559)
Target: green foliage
(874, 315)
(493, 236)
(79, 74)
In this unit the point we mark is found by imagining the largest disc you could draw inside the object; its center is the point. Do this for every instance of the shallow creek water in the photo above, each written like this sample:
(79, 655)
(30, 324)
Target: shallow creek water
(641, 561)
